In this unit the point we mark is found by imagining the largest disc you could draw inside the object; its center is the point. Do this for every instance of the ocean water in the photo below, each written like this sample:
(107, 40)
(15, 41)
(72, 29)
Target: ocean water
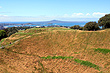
(46, 24)
(71, 24)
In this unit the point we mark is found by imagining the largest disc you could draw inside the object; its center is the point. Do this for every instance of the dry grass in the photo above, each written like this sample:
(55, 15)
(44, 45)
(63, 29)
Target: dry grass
(24, 56)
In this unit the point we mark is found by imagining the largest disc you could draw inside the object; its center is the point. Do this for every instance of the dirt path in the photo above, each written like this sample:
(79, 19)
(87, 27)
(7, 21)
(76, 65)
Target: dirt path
(19, 40)
(47, 32)
(9, 44)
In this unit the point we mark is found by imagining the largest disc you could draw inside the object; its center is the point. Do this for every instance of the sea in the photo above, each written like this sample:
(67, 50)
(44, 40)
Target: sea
(33, 24)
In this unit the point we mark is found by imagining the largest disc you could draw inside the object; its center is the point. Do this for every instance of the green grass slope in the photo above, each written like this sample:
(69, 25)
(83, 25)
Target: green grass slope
(53, 44)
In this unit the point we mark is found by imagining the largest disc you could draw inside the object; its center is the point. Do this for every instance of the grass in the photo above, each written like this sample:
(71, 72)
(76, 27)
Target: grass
(24, 33)
(76, 52)
(2, 41)
(10, 44)
(7, 41)
(59, 42)
(57, 57)
(43, 70)
(87, 63)
(104, 51)
(2, 61)
(46, 29)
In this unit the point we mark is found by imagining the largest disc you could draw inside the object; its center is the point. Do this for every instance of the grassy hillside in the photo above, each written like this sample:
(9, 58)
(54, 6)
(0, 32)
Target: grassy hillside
(56, 50)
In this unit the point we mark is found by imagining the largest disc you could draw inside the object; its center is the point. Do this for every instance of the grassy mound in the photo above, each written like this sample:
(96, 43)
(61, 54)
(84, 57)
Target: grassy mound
(52, 50)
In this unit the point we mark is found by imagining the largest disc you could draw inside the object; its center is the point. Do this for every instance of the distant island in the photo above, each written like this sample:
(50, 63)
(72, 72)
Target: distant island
(41, 24)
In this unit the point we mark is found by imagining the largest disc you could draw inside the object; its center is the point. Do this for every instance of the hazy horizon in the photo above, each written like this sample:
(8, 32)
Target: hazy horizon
(46, 10)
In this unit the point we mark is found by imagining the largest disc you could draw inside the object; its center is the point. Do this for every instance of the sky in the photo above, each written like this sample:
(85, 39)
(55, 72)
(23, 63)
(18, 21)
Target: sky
(45, 10)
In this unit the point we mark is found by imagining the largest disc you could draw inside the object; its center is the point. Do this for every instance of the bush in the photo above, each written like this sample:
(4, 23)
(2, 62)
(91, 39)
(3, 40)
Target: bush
(81, 28)
(2, 34)
(75, 27)
(91, 26)
(104, 21)
(11, 31)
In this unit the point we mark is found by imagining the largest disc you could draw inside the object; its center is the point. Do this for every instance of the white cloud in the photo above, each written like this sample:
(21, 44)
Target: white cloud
(4, 18)
(3, 15)
(77, 14)
(98, 14)
(88, 14)
(0, 7)
(68, 17)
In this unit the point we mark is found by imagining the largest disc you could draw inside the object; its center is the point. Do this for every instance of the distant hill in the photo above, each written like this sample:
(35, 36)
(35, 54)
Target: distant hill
(52, 21)
(55, 21)
(58, 21)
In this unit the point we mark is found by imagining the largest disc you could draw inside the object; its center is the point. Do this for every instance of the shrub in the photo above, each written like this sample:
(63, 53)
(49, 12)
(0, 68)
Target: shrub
(75, 27)
(11, 31)
(81, 28)
(91, 26)
(2, 34)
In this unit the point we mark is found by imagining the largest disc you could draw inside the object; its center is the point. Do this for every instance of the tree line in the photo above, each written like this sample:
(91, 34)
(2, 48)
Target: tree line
(103, 22)
(9, 31)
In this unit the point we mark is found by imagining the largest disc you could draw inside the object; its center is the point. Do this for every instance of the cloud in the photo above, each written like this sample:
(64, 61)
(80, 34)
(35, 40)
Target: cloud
(74, 15)
(3, 15)
(67, 17)
(5, 18)
(77, 14)
(0, 7)
(5, 12)
(87, 14)
(98, 14)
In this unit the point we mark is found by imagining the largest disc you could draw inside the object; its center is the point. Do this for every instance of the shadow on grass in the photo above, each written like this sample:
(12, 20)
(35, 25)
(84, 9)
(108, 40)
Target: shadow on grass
(87, 63)
(57, 57)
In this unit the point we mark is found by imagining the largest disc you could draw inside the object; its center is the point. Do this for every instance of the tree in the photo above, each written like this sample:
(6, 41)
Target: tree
(104, 21)
(12, 31)
(81, 28)
(75, 27)
(91, 26)
(2, 34)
